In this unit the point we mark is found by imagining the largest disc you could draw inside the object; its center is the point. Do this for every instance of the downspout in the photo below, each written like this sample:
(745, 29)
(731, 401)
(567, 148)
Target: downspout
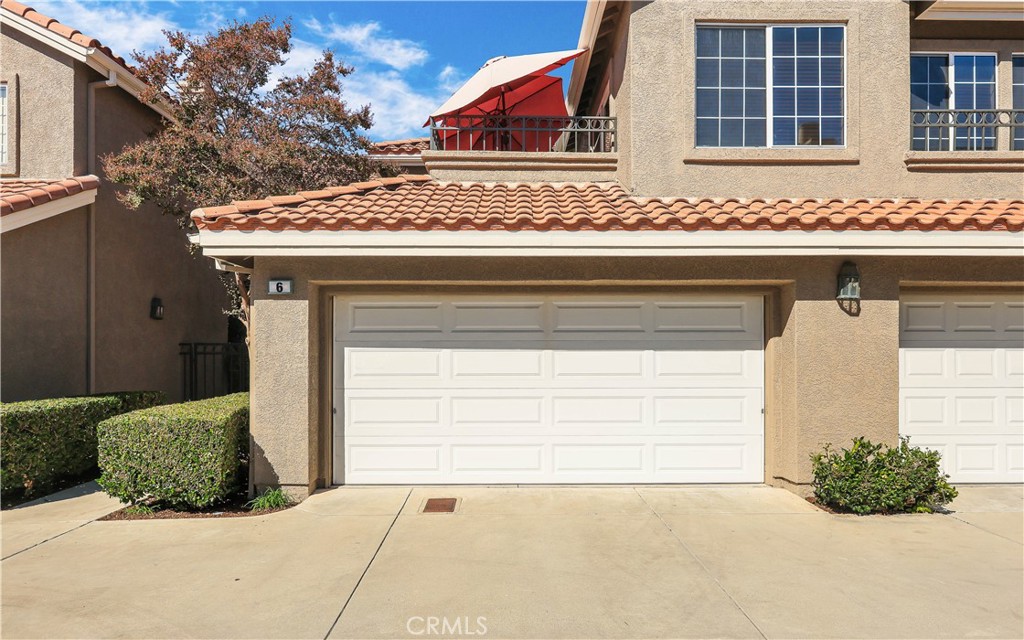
(90, 349)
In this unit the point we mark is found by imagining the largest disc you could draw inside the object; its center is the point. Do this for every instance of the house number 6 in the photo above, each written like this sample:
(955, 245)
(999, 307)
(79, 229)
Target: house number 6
(281, 286)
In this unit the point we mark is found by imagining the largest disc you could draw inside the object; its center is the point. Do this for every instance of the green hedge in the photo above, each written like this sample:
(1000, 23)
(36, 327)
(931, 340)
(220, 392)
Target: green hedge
(45, 441)
(875, 478)
(182, 455)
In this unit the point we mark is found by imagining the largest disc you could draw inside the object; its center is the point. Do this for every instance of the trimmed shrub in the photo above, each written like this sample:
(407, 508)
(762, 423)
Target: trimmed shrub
(182, 455)
(876, 478)
(46, 441)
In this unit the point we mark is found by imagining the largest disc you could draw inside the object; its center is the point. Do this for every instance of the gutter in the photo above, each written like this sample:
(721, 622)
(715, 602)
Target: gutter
(90, 349)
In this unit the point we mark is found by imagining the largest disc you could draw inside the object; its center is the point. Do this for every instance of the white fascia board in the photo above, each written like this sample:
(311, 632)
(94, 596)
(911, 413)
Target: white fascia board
(55, 40)
(25, 217)
(610, 243)
(592, 16)
(1000, 10)
(95, 58)
(402, 160)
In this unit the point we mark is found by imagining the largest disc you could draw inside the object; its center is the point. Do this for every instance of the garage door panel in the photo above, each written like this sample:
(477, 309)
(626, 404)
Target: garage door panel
(527, 459)
(550, 389)
(961, 378)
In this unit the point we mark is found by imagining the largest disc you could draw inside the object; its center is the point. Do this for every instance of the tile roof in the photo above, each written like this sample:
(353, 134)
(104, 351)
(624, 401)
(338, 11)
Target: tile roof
(51, 24)
(18, 195)
(406, 147)
(420, 203)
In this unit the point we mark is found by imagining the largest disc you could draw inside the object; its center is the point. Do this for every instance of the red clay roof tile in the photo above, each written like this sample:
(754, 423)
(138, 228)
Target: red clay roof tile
(419, 203)
(405, 147)
(62, 30)
(18, 195)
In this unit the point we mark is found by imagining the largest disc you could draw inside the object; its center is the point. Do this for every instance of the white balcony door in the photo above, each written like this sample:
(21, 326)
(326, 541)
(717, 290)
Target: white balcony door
(548, 389)
(962, 382)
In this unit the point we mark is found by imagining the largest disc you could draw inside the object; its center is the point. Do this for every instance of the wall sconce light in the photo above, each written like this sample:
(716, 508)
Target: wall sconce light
(848, 282)
(156, 309)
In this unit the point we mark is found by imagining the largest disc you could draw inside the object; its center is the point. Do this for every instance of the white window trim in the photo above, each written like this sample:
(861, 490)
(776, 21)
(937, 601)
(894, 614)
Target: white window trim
(951, 81)
(5, 121)
(768, 81)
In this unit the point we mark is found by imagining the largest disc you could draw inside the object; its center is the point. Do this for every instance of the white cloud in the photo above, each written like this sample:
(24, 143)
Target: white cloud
(398, 109)
(450, 79)
(367, 40)
(124, 27)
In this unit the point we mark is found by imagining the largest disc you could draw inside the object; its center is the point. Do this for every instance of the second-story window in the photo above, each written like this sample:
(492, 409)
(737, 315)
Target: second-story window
(770, 86)
(1018, 100)
(960, 85)
(3, 124)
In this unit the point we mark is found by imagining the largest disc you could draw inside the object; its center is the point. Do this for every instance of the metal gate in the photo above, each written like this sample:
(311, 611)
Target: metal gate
(211, 369)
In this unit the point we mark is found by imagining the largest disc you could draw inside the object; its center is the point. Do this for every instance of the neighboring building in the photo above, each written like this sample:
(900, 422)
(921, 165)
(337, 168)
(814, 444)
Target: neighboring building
(79, 271)
(405, 154)
(764, 251)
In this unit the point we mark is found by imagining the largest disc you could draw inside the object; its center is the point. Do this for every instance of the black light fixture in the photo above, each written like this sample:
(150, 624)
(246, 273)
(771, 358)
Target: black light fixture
(156, 309)
(848, 283)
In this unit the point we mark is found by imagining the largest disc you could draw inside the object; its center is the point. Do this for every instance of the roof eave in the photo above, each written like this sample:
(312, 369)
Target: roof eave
(230, 244)
(95, 58)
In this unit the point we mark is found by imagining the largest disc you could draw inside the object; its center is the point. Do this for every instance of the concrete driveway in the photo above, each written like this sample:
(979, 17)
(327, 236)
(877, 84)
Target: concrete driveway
(622, 562)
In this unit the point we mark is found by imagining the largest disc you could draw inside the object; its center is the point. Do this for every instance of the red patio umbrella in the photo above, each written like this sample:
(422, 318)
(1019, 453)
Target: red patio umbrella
(509, 104)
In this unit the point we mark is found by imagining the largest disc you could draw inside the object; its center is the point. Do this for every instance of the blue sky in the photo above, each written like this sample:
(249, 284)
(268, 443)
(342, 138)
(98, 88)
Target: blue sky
(409, 56)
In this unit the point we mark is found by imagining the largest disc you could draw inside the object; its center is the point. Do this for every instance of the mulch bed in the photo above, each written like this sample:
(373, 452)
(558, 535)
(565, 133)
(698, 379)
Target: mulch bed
(234, 507)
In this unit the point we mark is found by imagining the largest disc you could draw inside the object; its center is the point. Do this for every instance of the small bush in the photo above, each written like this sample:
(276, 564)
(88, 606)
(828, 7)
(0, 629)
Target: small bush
(875, 478)
(47, 441)
(269, 499)
(188, 455)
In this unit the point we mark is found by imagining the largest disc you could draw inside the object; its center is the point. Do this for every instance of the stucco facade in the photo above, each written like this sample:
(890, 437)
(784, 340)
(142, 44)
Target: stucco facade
(830, 374)
(659, 157)
(76, 287)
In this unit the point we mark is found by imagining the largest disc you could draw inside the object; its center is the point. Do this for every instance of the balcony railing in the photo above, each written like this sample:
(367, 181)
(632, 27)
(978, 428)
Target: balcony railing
(581, 134)
(967, 130)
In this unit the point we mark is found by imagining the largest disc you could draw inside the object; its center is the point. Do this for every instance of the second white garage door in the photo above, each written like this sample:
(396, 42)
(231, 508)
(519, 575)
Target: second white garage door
(962, 382)
(548, 389)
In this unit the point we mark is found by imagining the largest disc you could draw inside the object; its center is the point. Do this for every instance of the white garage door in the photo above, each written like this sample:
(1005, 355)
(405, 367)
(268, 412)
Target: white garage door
(962, 382)
(548, 389)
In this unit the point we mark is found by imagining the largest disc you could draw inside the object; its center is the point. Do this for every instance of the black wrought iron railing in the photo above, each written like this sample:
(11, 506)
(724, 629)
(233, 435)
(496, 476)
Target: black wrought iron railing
(967, 130)
(211, 369)
(582, 134)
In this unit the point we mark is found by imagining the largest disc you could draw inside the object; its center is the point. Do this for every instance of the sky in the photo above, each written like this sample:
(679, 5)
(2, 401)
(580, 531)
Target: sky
(409, 56)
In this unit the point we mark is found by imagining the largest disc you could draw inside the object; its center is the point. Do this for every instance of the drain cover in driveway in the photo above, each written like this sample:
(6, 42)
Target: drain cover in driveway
(439, 505)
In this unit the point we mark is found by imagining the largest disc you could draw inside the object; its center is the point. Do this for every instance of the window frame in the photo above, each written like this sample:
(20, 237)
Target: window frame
(1014, 129)
(5, 129)
(951, 87)
(769, 82)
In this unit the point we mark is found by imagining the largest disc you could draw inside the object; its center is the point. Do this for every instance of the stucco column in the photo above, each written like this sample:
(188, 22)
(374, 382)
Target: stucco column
(843, 368)
(283, 395)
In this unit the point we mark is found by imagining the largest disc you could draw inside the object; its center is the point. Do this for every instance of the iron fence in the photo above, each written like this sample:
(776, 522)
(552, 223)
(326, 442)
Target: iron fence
(966, 129)
(211, 369)
(583, 134)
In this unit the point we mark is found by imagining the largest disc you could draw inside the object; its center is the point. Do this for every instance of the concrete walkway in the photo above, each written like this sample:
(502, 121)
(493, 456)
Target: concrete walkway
(608, 562)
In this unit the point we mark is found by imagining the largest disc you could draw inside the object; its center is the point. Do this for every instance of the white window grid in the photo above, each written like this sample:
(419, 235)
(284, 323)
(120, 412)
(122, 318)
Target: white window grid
(1017, 69)
(769, 80)
(754, 128)
(3, 123)
(938, 137)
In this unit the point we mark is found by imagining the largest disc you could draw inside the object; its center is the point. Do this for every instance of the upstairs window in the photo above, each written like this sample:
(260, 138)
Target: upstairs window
(770, 86)
(3, 124)
(962, 84)
(1018, 100)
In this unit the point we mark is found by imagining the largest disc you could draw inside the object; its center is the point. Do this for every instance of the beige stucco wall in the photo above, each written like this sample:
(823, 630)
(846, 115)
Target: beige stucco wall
(135, 255)
(831, 376)
(43, 308)
(42, 123)
(655, 107)
(141, 255)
